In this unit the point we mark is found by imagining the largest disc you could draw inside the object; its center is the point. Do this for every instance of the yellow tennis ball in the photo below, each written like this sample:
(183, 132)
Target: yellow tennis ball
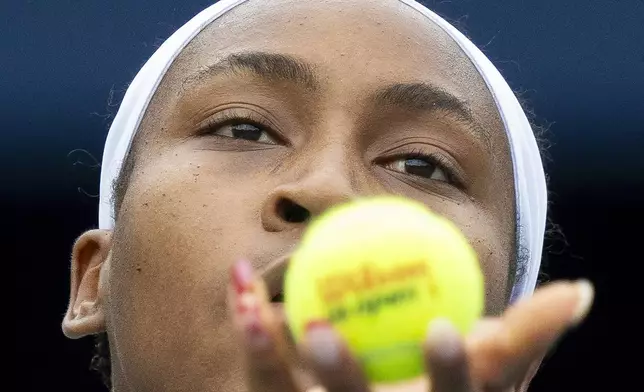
(379, 270)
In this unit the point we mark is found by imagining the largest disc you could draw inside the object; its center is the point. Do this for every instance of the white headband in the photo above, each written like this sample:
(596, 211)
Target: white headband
(529, 178)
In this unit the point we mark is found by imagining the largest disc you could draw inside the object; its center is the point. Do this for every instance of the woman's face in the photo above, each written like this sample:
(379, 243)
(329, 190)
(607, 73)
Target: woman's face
(275, 112)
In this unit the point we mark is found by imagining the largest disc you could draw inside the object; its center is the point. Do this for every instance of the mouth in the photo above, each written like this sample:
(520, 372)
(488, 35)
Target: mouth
(273, 275)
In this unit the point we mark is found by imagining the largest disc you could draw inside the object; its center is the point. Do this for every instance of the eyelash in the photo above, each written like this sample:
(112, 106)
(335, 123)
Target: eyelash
(434, 159)
(237, 118)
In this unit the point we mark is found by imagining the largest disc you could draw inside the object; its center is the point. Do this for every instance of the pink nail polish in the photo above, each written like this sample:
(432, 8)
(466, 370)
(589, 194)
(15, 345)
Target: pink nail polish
(242, 276)
(323, 343)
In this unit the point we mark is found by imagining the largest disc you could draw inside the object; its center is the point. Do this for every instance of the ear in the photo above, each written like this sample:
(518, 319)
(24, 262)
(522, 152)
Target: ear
(85, 314)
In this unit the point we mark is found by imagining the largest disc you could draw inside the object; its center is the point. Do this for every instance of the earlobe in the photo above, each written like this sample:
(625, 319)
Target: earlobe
(85, 313)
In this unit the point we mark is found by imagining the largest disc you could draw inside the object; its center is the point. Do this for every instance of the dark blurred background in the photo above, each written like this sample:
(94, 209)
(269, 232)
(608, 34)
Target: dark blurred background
(579, 63)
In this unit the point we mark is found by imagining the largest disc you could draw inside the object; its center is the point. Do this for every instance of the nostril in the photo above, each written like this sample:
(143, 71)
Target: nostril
(292, 212)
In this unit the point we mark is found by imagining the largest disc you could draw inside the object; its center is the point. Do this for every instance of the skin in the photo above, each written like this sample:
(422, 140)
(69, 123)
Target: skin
(198, 200)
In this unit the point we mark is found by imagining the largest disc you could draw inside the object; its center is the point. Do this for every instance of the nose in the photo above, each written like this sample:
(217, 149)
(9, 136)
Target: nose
(291, 206)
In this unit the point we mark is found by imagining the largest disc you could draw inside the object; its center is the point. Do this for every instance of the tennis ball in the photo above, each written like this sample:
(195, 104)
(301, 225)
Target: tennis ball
(379, 270)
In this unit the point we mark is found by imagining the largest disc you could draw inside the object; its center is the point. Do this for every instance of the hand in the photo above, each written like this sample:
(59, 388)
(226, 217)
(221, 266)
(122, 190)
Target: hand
(501, 353)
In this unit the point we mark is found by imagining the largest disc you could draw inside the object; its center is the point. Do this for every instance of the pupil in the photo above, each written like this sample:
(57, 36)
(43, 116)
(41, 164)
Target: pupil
(247, 132)
(419, 167)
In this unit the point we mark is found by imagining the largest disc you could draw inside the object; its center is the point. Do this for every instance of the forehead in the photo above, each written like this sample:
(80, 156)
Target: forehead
(356, 35)
(354, 45)
(376, 41)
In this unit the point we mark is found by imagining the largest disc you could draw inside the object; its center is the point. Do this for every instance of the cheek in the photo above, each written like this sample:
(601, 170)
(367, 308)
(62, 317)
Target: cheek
(495, 262)
(184, 221)
(492, 243)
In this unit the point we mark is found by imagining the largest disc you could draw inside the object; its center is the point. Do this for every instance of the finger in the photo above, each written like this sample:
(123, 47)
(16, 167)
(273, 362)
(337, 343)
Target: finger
(328, 356)
(503, 350)
(446, 358)
(259, 332)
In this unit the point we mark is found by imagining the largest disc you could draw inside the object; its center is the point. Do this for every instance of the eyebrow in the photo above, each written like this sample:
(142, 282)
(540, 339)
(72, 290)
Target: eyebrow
(428, 98)
(272, 67)
(276, 67)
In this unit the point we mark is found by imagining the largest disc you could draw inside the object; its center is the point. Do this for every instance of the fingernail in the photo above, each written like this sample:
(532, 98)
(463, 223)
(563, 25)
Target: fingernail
(586, 296)
(242, 276)
(444, 337)
(323, 343)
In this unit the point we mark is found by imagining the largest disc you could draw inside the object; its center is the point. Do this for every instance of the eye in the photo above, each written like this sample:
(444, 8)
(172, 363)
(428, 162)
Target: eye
(424, 167)
(245, 131)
